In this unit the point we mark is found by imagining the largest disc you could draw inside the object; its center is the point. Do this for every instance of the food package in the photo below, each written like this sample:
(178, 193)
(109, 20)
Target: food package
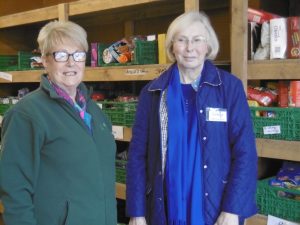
(263, 50)
(119, 51)
(283, 90)
(293, 37)
(94, 54)
(264, 96)
(278, 38)
(294, 93)
(260, 16)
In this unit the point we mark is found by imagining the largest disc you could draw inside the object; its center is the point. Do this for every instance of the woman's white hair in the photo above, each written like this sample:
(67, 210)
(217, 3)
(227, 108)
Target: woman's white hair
(58, 32)
(183, 21)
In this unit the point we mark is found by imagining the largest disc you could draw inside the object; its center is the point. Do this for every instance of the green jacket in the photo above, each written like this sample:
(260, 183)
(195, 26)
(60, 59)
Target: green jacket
(52, 170)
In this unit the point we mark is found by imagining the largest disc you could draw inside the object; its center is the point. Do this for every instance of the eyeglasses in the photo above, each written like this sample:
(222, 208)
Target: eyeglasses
(196, 42)
(62, 56)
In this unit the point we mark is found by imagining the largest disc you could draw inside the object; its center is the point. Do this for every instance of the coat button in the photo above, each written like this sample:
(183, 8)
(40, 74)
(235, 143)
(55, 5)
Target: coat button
(206, 194)
(204, 138)
(205, 166)
(159, 199)
(159, 173)
(201, 111)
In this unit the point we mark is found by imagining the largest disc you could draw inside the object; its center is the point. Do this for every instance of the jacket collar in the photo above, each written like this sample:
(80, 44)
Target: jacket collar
(47, 86)
(210, 75)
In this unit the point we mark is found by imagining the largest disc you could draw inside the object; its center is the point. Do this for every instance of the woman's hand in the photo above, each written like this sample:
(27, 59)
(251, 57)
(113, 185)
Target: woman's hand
(227, 219)
(137, 221)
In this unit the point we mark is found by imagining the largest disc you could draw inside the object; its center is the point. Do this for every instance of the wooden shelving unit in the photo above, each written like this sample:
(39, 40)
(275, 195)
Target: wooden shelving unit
(260, 70)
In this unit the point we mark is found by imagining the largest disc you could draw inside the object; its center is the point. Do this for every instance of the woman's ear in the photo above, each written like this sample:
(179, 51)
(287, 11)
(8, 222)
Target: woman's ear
(44, 61)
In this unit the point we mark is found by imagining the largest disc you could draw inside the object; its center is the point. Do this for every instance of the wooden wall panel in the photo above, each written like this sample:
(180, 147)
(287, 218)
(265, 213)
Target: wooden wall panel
(15, 6)
(220, 20)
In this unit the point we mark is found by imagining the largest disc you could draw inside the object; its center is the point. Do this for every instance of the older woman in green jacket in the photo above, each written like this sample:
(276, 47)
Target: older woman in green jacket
(57, 162)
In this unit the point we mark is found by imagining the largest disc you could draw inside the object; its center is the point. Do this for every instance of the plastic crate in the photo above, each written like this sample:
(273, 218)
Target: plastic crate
(8, 62)
(276, 123)
(4, 108)
(120, 113)
(121, 171)
(145, 52)
(270, 202)
(24, 60)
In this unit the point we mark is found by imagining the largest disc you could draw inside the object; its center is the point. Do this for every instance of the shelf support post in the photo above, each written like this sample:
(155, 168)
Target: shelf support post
(129, 28)
(190, 5)
(239, 32)
(63, 12)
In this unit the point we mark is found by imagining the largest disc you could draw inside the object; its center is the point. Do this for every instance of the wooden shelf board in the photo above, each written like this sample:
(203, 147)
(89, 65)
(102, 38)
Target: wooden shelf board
(274, 69)
(107, 73)
(124, 73)
(257, 219)
(89, 6)
(28, 17)
(92, 74)
(278, 149)
(120, 191)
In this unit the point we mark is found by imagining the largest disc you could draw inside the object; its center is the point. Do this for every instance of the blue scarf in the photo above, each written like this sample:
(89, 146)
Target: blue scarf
(183, 164)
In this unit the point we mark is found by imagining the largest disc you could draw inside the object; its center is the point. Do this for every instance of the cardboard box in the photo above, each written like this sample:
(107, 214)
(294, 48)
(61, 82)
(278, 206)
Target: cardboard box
(278, 38)
(294, 94)
(283, 93)
(293, 37)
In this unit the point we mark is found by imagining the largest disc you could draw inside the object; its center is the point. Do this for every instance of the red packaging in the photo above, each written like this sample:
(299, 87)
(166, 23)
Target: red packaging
(94, 54)
(283, 93)
(294, 94)
(293, 37)
(260, 16)
(264, 97)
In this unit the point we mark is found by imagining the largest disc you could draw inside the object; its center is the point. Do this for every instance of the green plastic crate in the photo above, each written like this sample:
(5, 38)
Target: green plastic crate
(4, 108)
(8, 62)
(24, 60)
(120, 113)
(145, 52)
(270, 202)
(121, 171)
(276, 123)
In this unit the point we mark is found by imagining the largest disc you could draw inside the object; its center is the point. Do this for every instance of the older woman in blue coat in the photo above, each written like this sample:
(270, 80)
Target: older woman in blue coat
(192, 157)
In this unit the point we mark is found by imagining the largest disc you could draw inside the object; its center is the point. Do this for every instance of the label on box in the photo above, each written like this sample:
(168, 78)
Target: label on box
(6, 76)
(272, 130)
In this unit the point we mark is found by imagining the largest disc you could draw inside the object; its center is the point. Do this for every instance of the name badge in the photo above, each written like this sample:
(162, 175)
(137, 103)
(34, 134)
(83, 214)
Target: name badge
(216, 115)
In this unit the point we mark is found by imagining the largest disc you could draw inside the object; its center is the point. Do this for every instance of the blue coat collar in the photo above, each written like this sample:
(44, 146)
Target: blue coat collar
(210, 75)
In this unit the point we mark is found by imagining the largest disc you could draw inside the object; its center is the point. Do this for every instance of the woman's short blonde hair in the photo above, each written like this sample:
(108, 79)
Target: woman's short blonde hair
(58, 32)
(183, 21)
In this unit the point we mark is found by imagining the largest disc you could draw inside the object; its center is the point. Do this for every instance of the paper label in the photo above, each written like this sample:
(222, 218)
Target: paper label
(272, 130)
(216, 115)
(6, 76)
(118, 132)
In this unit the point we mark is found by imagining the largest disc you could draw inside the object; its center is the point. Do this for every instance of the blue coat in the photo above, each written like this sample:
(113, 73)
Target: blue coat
(229, 158)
